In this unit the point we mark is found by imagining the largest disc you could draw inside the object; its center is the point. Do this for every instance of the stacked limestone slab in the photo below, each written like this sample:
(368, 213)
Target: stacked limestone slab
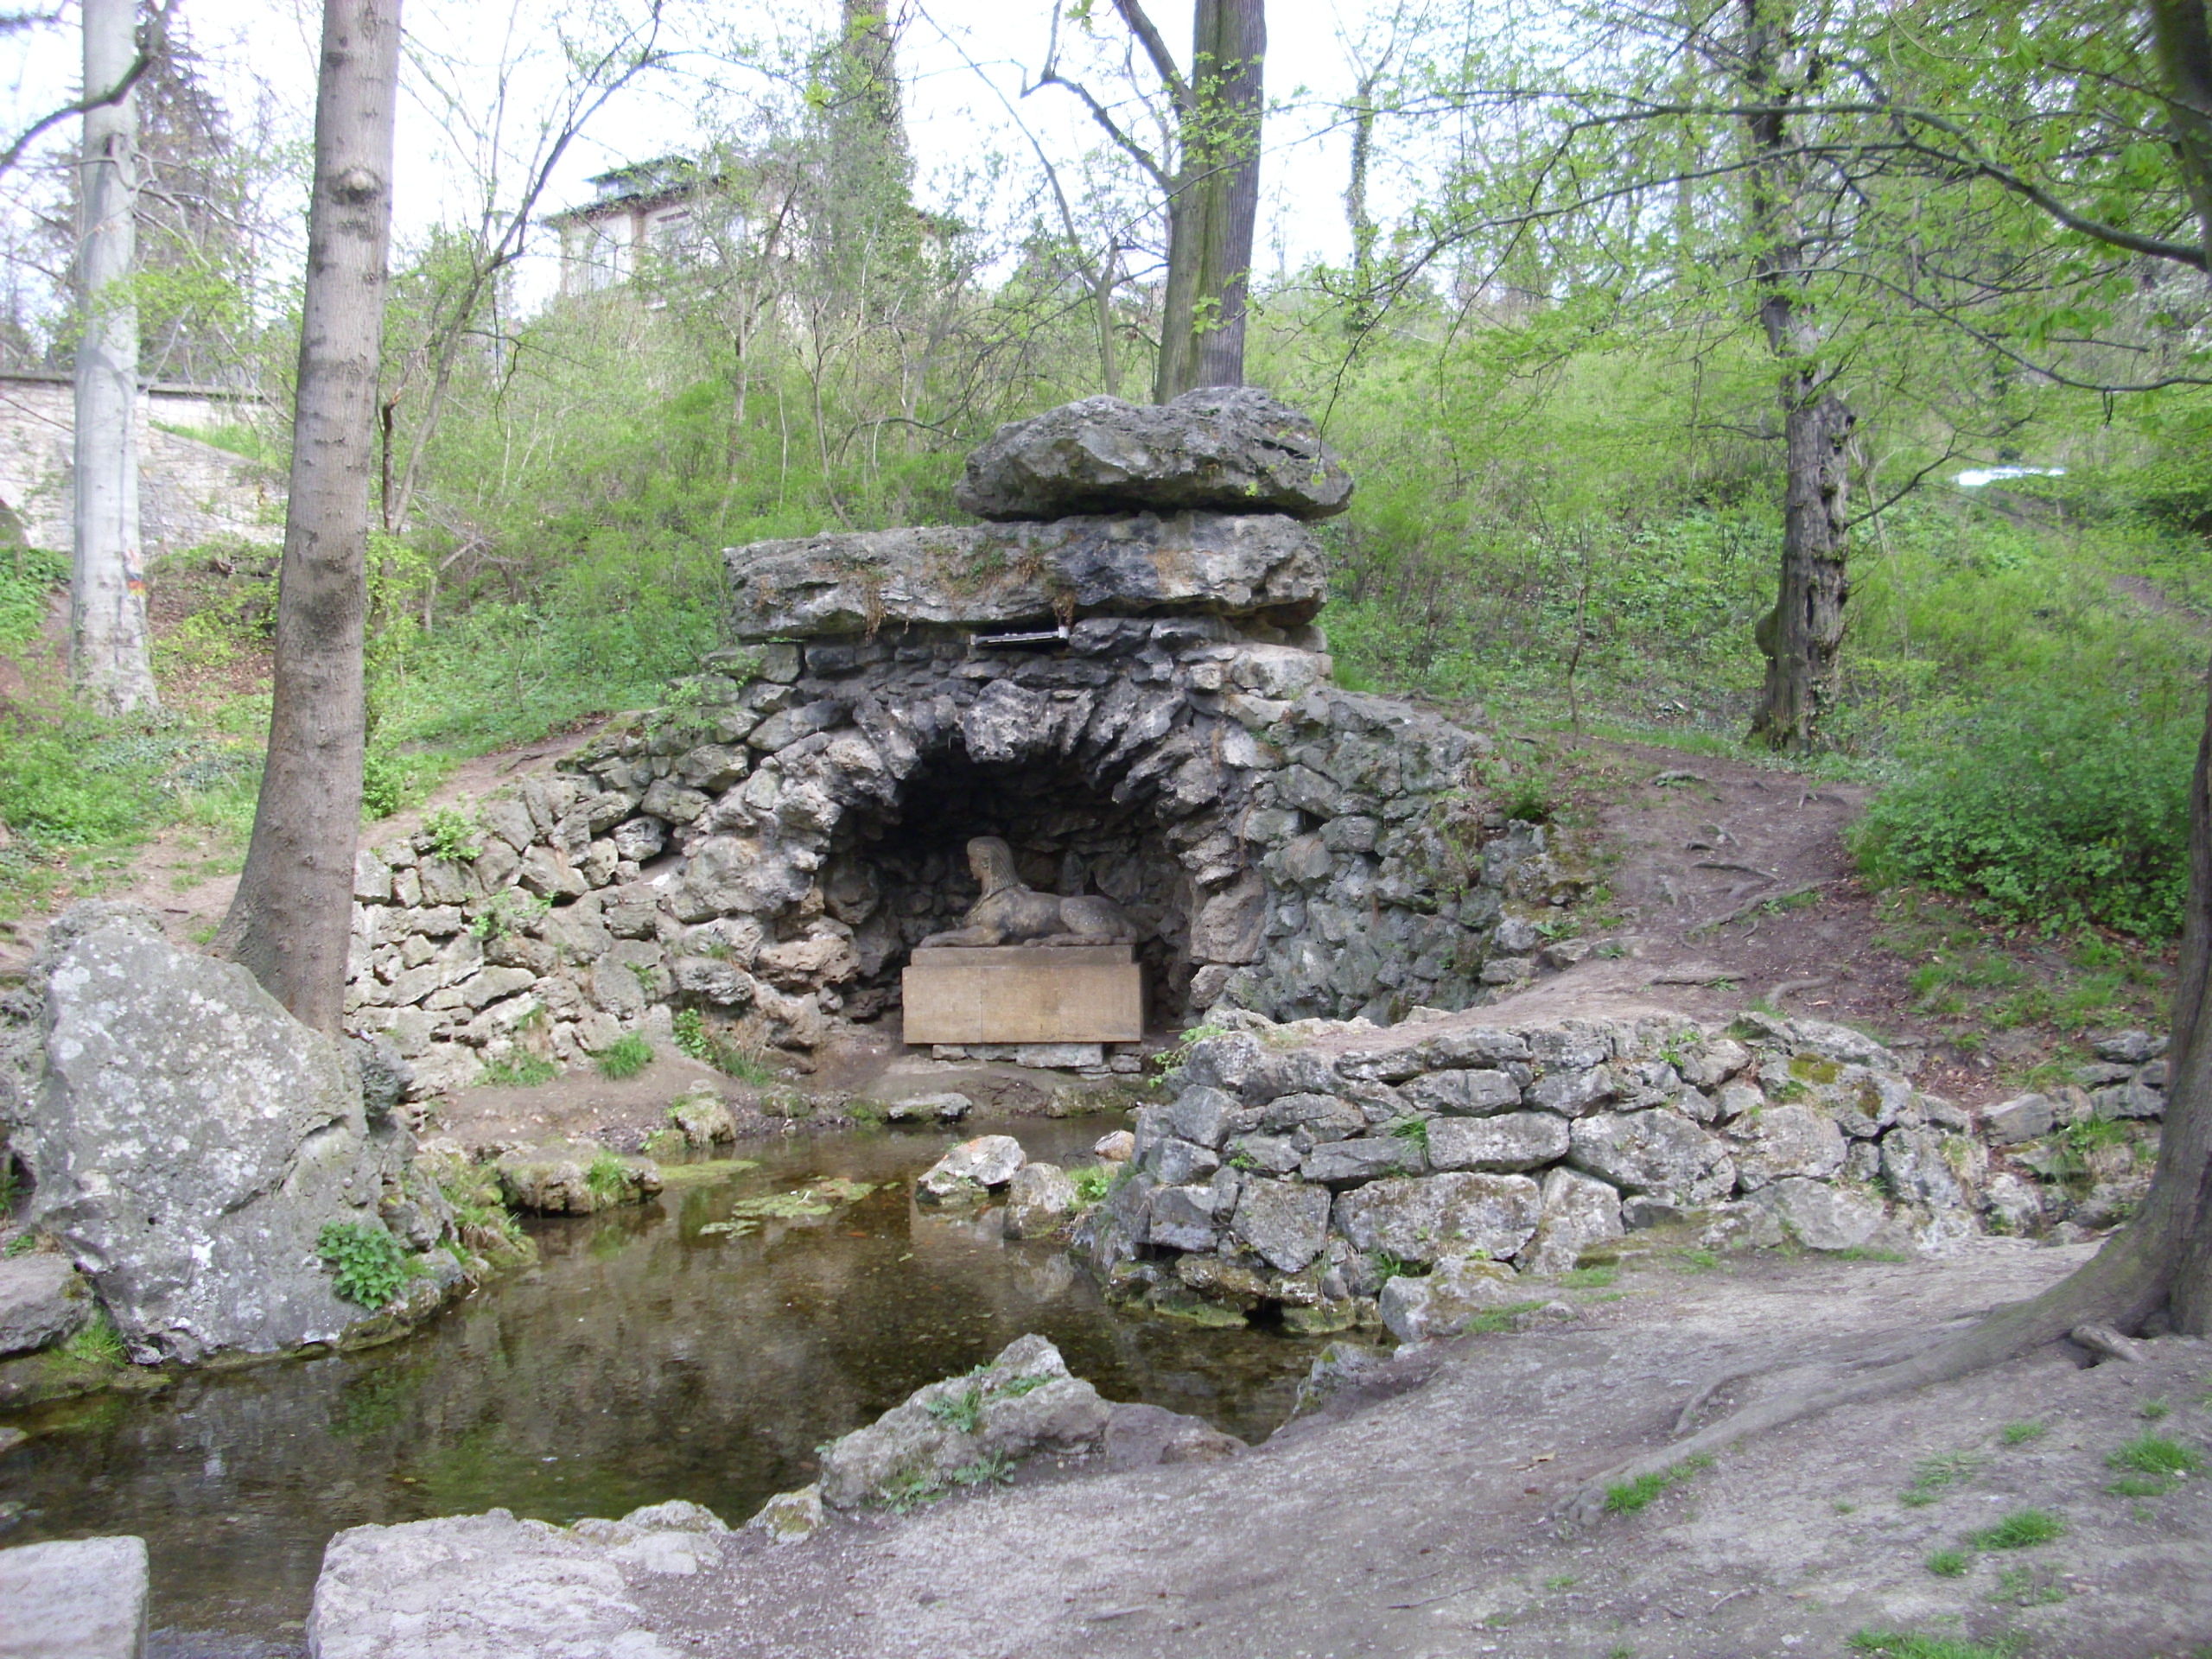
(1168, 733)
(1430, 1172)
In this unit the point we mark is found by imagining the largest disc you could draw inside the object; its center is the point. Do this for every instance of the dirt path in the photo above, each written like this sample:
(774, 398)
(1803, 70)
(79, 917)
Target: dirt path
(1415, 1518)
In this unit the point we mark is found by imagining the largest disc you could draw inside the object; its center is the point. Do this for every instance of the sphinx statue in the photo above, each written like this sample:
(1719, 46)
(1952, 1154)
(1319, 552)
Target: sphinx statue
(1009, 913)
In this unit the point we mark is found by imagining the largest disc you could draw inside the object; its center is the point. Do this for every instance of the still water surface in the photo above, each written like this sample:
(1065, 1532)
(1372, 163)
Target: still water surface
(641, 1360)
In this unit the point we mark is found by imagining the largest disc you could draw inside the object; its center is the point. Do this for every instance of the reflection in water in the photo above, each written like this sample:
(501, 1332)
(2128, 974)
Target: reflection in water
(641, 1361)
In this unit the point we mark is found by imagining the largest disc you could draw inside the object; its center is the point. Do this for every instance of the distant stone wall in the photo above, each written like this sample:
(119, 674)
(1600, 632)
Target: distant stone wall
(189, 492)
(1430, 1172)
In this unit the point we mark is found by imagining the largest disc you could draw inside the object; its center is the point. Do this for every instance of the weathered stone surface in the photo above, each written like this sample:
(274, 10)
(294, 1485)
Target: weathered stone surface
(702, 1118)
(1475, 1092)
(1285, 1222)
(471, 1586)
(1819, 1215)
(946, 1108)
(1183, 1219)
(1347, 1163)
(791, 1517)
(1420, 1220)
(998, 575)
(1039, 1201)
(2024, 1117)
(1226, 449)
(1203, 1116)
(44, 1301)
(1514, 1141)
(1659, 1152)
(555, 1179)
(1915, 1168)
(1441, 1302)
(1579, 1211)
(1022, 1403)
(79, 1599)
(189, 1141)
(1786, 1141)
(989, 1160)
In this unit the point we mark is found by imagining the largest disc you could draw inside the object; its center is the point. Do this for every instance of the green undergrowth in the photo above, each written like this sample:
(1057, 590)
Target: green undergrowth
(1632, 1496)
(1895, 1644)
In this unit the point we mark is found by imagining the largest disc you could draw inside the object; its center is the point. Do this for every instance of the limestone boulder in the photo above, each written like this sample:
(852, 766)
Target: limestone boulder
(701, 1117)
(1223, 448)
(1785, 1141)
(1039, 1200)
(1442, 1302)
(1512, 1141)
(791, 1517)
(189, 1140)
(1422, 1220)
(1821, 1215)
(44, 1301)
(1579, 1211)
(75, 1599)
(1285, 1222)
(987, 1162)
(1023, 1402)
(1659, 1153)
(1261, 565)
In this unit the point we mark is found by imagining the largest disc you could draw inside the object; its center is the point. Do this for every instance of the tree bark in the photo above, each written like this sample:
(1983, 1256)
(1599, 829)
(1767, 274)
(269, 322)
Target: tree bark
(290, 921)
(1803, 635)
(108, 661)
(1215, 206)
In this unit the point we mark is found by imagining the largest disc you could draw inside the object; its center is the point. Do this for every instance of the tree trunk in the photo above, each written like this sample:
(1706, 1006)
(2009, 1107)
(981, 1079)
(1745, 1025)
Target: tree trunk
(108, 662)
(1216, 202)
(1360, 313)
(290, 921)
(1806, 634)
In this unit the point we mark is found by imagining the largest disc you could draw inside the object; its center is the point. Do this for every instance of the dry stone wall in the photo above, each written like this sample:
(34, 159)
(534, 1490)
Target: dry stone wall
(1427, 1173)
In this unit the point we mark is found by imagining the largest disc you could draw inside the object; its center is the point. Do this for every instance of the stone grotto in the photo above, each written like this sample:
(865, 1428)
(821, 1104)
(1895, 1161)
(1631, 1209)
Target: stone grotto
(1134, 695)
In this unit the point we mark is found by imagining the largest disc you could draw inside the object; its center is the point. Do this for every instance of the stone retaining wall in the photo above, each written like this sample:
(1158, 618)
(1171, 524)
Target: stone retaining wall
(1430, 1172)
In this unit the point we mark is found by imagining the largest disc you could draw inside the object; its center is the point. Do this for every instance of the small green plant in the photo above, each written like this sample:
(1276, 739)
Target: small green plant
(2021, 1433)
(519, 1070)
(512, 911)
(1564, 1581)
(1933, 1475)
(96, 1342)
(2137, 1486)
(1414, 1131)
(608, 1178)
(2154, 1409)
(453, 835)
(694, 1039)
(2153, 1454)
(2020, 1586)
(625, 1057)
(1092, 1183)
(1950, 1563)
(2022, 1529)
(992, 1469)
(1389, 1267)
(1168, 1061)
(962, 1413)
(367, 1266)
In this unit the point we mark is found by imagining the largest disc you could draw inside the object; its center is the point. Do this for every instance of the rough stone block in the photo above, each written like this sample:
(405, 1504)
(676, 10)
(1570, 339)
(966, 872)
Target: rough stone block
(43, 1301)
(83, 1599)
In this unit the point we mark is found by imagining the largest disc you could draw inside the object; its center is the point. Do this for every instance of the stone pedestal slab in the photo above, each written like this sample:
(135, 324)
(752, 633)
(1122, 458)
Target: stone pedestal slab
(1025, 994)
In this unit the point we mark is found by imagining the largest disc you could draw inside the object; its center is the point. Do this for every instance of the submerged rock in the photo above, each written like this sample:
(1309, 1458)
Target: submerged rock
(189, 1139)
(967, 1430)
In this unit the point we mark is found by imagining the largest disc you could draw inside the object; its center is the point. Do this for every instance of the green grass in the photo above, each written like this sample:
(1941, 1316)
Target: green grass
(2021, 1433)
(624, 1057)
(96, 1342)
(1632, 1496)
(608, 1178)
(2155, 1455)
(1892, 1644)
(2022, 1529)
(1950, 1563)
(2155, 1409)
(1589, 1278)
(1934, 1476)
(518, 1070)
(2137, 1486)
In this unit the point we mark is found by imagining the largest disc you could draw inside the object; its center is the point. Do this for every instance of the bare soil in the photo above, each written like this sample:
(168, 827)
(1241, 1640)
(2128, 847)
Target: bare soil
(1416, 1517)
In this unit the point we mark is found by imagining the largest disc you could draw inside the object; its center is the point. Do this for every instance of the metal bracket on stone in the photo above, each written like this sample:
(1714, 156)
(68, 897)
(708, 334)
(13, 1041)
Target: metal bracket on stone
(1043, 637)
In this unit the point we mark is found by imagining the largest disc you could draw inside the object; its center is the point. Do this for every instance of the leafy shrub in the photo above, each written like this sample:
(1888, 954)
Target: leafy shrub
(453, 835)
(367, 1265)
(1092, 1183)
(625, 1057)
(2047, 806)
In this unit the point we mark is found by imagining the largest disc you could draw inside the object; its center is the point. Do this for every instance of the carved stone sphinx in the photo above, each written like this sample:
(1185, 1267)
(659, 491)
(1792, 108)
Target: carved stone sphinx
(1009, 913)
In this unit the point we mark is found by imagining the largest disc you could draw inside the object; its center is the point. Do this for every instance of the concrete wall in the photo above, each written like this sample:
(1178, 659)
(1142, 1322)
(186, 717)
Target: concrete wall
(189, 492)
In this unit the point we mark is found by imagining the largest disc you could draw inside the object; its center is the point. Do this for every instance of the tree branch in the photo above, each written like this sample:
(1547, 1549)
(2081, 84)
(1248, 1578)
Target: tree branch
(153, 42)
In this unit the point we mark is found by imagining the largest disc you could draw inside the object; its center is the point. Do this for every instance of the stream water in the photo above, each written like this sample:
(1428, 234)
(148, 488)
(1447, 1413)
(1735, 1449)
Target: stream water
(643, 1359)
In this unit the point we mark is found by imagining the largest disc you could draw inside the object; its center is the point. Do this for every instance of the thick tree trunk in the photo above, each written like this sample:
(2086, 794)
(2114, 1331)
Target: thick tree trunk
(1806, 634)
(1216, 203)
(108, 661)
(291, 919)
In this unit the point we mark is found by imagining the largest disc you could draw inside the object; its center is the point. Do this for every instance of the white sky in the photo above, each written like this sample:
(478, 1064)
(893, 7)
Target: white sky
(265, 50)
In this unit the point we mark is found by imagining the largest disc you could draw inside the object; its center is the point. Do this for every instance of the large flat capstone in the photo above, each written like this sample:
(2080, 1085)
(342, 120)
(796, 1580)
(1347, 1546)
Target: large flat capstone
(80, 1599)
(1258, 564)
(1223, 448)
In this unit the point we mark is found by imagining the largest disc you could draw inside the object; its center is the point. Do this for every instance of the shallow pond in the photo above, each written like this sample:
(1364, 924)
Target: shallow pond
(643, 1359)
